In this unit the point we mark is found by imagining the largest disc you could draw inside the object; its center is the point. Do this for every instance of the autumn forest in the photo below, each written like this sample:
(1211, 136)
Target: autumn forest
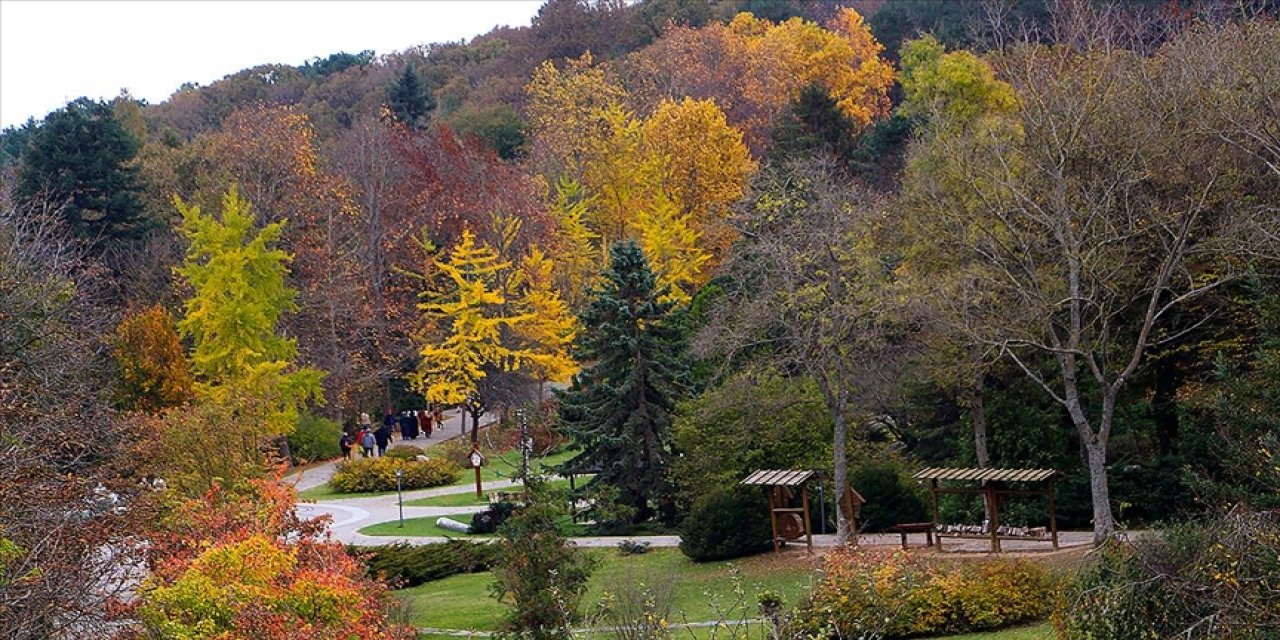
(685, 240)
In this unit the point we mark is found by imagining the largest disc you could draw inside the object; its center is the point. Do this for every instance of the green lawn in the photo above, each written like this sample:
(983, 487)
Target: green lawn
(420, 527)
(426, 526)
(505, 466)
(469, 498)
(463, 601)
(699, 592)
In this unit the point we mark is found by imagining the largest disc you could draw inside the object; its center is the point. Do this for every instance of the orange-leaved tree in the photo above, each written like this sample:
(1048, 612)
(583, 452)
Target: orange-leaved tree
(153, 372)
(228, 565)
(755, 68)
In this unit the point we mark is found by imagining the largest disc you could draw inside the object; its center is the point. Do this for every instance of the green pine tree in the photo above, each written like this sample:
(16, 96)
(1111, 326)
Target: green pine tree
(619, 409)
(82, 155)
(408, 98)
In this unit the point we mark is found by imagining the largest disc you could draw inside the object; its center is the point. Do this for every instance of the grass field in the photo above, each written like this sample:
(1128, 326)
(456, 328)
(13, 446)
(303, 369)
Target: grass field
(420, 527)
(426, 527)
(469, 498)
(698, 592)
(1041, 631)
(463, 601)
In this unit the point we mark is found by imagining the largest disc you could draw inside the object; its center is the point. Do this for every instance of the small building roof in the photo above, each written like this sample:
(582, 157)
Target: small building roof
(779, 477)
(986, 475)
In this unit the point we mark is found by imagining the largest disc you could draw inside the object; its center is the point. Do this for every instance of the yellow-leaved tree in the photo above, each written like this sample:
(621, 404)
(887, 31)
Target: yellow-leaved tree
(566, 114)
(578, 250)
(464, 318)
(672, 246)
(152, 363)
(248, 389)
(701, 165)
(551, 327)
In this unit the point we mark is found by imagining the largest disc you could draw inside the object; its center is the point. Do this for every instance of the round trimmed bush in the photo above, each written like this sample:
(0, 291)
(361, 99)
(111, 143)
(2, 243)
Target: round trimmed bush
(379, 474)
(727, 524)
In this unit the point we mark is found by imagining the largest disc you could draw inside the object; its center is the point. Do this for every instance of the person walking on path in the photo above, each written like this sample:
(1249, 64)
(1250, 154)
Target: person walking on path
(383, 435)
(345, 443)
(364, 437)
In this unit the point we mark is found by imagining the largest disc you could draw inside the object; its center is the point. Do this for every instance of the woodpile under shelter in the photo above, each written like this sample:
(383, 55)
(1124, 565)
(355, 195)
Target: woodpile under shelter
(994, 485)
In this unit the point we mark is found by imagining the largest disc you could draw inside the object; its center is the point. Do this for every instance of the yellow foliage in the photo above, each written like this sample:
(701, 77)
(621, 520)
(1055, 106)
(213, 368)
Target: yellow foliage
(464, 318)
(579, 254)
(566, 111)
(673, 250)
(701, 165)
(551, 327)
(153, 365)
(957, 87)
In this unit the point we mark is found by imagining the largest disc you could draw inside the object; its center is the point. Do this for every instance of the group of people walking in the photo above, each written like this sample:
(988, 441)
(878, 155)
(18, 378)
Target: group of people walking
(366, 438)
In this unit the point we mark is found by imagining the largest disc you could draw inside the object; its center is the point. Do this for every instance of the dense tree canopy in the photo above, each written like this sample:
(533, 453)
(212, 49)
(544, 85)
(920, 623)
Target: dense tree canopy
(860, 237)
(81, 154)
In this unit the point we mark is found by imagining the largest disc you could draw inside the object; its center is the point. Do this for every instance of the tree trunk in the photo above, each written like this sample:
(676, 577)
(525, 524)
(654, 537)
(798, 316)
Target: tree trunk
(844, 528)
(978, 413)
(1103, 522)
(1164, 406)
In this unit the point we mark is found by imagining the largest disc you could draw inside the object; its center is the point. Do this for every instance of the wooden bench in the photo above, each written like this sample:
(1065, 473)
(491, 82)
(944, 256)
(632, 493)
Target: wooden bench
(914, 527)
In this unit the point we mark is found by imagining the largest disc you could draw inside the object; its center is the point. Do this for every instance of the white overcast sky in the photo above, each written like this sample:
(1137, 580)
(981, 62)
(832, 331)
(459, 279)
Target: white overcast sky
(55, 51)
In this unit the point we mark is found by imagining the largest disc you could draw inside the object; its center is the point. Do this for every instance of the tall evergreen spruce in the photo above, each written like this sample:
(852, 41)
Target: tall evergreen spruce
(619, 409)
(409, 98)
(82, 154)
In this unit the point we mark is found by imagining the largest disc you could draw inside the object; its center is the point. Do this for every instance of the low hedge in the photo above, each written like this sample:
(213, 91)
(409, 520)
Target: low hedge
(379, 474)
(898, 594)
(407, 566)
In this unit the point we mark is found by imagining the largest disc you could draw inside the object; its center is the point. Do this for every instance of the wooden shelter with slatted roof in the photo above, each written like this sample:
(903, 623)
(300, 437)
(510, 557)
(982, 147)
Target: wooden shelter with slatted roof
(789, 521)
(993, 485)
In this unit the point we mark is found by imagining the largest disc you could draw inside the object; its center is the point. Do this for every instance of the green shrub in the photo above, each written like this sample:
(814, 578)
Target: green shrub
(315, 438)
(405, 452)
(407, 566)
(1199, 580)
(891, 497)
(727, 524)
(897, 594)
(490, 519)
(379, 474)
(541, 571)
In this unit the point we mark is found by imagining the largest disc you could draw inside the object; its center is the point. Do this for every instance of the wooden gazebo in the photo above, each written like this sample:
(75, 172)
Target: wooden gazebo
(788, 521)
(993, 486)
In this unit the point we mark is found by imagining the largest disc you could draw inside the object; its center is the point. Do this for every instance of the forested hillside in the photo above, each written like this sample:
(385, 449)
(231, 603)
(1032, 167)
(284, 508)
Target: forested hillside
(865, 237)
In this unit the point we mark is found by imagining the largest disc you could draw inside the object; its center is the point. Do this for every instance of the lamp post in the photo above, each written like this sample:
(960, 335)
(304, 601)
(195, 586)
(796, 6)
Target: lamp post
(400, 494)
(525, 445)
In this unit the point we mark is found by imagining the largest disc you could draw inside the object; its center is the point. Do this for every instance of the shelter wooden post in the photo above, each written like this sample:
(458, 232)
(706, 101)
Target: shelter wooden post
(1053, 516)
(773, 516)
(933, 497)
(993, 517)
(808, 527)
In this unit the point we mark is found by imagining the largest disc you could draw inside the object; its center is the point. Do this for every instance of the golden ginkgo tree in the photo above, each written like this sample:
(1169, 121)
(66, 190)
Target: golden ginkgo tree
(466, 321)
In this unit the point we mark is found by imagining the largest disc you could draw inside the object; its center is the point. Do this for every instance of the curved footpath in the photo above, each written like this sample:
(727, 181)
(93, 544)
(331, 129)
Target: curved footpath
(352, 514)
